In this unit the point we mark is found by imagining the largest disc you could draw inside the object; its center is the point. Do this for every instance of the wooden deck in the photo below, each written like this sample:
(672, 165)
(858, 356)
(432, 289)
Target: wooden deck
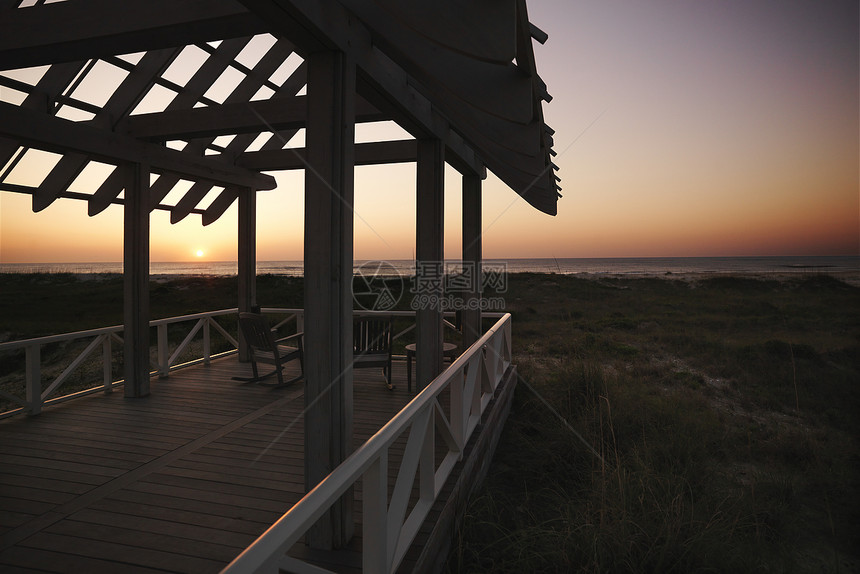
(180, 481)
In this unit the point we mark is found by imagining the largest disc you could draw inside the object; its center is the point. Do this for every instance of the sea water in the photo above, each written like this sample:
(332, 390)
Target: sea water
(627, 266)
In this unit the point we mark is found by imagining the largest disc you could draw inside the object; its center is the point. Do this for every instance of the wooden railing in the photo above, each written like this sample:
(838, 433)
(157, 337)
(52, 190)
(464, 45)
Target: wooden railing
(204, 322)
(389, 527)
(36, 398)
(166, 360)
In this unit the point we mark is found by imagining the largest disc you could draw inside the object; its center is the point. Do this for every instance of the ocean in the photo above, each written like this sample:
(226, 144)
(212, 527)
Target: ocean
(848, 266)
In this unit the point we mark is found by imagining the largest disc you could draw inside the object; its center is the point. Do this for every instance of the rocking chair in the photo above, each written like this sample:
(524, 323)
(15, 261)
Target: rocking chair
(263, 348)
(372, 345)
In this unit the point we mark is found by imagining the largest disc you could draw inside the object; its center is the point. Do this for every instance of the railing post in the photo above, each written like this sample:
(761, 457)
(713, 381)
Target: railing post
(477, 395)
(34, 379)
(508, 341)
(458, 425)
(491, 359)
(206, 341)
(107, 360)
(375, 516)
(163, 351)
(426, 468)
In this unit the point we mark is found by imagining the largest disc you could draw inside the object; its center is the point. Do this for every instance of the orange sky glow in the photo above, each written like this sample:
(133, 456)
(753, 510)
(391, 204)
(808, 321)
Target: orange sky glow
(682, 129)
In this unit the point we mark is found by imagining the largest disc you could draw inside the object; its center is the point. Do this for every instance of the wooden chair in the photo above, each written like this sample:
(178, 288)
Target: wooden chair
(371, 346)
(263, 348)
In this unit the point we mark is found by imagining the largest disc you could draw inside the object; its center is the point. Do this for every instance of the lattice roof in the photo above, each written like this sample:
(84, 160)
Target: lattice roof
(207, 93)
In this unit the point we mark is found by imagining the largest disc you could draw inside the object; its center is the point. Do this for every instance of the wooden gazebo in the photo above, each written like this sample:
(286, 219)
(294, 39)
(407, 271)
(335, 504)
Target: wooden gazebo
(132, 84)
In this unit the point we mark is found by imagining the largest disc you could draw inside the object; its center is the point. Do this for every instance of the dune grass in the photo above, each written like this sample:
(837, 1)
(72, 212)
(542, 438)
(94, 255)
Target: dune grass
(712, 428)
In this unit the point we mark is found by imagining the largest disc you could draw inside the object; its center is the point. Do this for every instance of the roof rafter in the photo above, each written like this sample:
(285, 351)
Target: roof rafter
(316, 24)
(121, 102)
(55, 134)
(41, 97)
(371, 153)
(493, 106)
(241, 94)
(279, 113)
(29, 190)
(70, 31)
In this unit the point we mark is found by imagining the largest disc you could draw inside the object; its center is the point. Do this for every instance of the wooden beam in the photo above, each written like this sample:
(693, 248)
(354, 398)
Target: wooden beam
(194, 89)
(29, 190)
(219, 206)
(372, 153)
(52, 84)
(470, 28)
(312, 24)
(247, 258)
(280, 113)
(458, 77)
(328, 280)
(72, 31)
(212, 121)
(241, 94)
(418, 100)
(300, 22)
(472, 249)
(106, 194)
(245, 90)
(55, 134)
(120, 103)
(430, 256)
(189, 201)
(136, 281)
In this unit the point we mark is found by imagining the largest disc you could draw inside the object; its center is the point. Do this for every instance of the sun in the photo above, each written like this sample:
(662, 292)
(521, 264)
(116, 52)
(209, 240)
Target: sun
(199, 253)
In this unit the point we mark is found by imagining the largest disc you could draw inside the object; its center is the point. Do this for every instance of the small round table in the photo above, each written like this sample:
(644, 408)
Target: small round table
(449, 351)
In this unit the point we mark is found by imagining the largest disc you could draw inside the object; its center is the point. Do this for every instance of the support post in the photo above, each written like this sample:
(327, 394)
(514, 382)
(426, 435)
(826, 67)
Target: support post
(163, 351)
(107, 364)
(136, 280)
(33, 374)
(247, 258)
(472, 247)
(328, 283)
(429, 267)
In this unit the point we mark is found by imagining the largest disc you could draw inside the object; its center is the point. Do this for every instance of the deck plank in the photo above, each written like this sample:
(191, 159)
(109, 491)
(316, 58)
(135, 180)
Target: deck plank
(148, 514)
(149, 533)
(27, 560)
(108, 550)
(166, 505)
(45, 484)
(182, 480)
(170, 539)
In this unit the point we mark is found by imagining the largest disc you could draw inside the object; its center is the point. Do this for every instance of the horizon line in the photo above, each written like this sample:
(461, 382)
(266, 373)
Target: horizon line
(550, 258)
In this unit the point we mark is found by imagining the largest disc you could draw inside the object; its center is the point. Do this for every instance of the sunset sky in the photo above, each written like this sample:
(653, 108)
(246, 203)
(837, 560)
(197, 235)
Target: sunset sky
(683, 128)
